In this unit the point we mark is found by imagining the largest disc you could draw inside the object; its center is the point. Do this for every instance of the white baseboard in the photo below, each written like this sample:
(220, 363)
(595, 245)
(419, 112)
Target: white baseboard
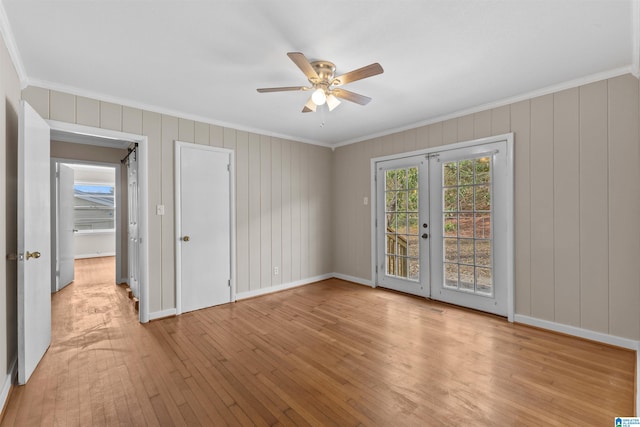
(164, 313)
(124, 280)
(82, 256)
(353, 279)
(282, 287)
(578, 332)
(8, 382)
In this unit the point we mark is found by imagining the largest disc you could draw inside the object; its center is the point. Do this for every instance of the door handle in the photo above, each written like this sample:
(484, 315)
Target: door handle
(33, 255)
(425, 236)
(186, 238)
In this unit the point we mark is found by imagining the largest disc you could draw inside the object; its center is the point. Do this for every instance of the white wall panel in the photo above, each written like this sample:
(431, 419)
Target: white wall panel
(566, 201)
(594, 208)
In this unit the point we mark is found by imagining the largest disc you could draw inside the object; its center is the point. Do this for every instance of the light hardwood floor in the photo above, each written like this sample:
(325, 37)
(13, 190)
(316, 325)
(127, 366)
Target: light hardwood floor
(330, 353)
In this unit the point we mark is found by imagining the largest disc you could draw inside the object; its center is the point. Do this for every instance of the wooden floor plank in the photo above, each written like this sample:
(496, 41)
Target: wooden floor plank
(330, 353)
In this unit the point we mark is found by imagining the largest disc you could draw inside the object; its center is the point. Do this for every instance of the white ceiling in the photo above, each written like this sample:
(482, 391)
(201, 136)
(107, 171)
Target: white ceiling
(205, 59)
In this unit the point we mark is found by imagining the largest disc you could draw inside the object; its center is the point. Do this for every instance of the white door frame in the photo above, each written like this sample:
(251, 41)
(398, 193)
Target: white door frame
(84, 134)
(232, 216)
(508, 137)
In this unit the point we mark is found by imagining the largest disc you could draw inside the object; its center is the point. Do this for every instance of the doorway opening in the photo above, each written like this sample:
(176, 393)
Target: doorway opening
(97, 217)
(86, 217)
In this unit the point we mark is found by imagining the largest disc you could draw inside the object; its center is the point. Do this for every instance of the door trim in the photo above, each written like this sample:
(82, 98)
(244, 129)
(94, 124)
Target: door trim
(177, 217)
(508, 137)
(85, 134)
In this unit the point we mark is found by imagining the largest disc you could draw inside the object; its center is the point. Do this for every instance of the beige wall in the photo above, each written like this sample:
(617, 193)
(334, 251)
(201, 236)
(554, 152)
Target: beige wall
(10, 93)
(66, 150)
(577, 201)
(283, 193)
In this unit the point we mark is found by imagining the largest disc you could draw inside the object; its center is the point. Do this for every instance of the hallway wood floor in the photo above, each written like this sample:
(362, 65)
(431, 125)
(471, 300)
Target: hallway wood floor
(330, 353)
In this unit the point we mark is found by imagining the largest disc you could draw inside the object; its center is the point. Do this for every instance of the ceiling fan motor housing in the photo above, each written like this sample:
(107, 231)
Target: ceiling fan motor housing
(325, 71)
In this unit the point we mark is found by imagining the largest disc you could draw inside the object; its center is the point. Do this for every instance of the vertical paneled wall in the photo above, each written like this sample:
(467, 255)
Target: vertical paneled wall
(577, 201)
(283, 193)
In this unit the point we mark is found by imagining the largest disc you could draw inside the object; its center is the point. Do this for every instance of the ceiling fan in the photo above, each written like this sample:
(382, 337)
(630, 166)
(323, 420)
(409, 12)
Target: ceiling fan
(325, 86)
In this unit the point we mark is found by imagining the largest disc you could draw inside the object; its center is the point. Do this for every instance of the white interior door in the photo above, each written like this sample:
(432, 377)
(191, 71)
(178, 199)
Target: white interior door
(203, 226)
(133, 231)
(34, 241)
(403, 225)
(65, 225)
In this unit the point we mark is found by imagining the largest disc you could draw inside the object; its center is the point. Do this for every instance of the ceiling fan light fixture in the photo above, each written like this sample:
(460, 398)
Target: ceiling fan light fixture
(319, 97)
(332, 102)
(309, 107)
(325, 87)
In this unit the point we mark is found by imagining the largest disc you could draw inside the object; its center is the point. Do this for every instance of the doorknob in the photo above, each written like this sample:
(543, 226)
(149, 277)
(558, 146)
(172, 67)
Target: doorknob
(33, 255)
(186, 238)
(425, 236)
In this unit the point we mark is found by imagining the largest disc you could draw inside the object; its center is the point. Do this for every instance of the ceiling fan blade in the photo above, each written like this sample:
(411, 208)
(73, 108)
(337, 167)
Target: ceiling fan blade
(281, 89)
(351, 96)
(303, 63)
(309, 107)
(359, 74)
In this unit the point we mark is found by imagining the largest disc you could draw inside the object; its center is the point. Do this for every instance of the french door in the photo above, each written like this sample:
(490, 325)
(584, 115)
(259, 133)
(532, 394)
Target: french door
(445, 228)
(403, 225)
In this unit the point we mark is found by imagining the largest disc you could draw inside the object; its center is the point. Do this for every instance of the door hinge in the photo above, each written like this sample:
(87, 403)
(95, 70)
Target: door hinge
(229, 283)
(228, 167)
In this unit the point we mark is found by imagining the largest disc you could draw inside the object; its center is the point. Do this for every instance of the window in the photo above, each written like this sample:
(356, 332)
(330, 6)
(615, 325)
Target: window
(94, 207)
(467, 236)
(401, 212)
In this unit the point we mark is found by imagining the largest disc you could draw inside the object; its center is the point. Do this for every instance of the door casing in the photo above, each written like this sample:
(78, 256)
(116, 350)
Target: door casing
(100, 137)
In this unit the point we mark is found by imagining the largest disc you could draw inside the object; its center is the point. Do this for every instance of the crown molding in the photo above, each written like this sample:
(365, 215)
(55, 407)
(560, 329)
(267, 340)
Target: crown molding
(161, 110)
(501, 103)
(10, 42)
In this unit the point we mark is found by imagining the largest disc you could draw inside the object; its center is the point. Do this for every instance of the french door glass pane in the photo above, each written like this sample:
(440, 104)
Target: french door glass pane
(467, 237)
(402, 224)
